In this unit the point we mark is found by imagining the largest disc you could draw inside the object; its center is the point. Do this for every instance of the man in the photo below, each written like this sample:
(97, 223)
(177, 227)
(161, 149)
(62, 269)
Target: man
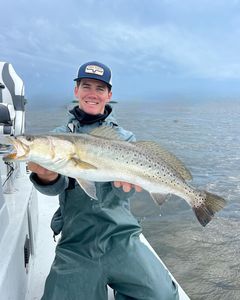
(99, 242)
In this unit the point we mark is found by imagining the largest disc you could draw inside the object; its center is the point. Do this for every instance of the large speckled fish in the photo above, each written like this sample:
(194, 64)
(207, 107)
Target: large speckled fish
(101, 156)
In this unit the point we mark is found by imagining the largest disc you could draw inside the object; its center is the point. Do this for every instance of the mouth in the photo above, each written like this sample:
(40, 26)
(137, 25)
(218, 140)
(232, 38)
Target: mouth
(89, 102)
(6, 149)
(16, 151)
(10, 156)
(9, 151)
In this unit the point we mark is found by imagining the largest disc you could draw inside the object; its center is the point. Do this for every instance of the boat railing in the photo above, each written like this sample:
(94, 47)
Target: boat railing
(12, 118)
(18, 199)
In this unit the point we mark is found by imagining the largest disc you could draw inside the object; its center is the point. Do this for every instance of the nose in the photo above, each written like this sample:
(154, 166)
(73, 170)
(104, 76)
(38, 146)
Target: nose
(92, 94)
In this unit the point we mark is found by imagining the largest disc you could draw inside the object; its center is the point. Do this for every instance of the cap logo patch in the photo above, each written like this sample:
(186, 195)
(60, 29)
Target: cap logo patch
(92, 69)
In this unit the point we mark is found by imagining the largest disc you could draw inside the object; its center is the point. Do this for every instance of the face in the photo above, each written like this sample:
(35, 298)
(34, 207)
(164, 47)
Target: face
(92, 95)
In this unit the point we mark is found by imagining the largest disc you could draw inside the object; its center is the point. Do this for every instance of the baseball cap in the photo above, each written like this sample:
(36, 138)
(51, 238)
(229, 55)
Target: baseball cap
(95, 70)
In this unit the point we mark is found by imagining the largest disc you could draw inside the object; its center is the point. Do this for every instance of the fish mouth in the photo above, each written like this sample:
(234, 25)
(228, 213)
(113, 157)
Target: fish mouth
(11, 156)
(17, 150)
(6, 149)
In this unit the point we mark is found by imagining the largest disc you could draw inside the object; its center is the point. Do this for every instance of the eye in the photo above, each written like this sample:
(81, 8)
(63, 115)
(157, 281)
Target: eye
(85, 86)
(29, 138)
(101, 88)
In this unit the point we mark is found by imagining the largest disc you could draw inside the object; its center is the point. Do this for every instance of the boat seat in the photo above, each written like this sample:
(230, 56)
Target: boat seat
(7, 116)
(12, 101)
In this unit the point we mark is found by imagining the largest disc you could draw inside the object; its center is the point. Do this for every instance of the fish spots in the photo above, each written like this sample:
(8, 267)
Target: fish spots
(199, 201)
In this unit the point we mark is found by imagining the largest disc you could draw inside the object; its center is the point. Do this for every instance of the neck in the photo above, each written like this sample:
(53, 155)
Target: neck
(85, 118)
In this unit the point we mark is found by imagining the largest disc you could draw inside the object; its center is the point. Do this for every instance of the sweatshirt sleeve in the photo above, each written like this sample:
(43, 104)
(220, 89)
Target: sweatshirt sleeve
(125, 134)
(54, 188)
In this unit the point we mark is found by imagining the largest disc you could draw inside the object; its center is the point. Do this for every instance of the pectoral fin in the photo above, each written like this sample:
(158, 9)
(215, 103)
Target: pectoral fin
(82, 164)
(159, 198)
(88, 187)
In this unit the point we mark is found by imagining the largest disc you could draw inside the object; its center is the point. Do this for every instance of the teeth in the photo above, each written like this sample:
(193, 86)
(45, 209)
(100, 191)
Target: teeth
(92, 103)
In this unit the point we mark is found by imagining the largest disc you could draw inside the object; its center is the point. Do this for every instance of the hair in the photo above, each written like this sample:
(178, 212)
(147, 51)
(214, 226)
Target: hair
(108, 86)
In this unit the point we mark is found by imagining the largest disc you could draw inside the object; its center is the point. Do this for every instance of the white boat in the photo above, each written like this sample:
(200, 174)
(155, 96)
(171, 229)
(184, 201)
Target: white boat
(26, 243)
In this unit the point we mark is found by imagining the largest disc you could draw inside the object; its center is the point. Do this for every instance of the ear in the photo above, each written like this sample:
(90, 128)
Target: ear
(109, 96)
(76, 90)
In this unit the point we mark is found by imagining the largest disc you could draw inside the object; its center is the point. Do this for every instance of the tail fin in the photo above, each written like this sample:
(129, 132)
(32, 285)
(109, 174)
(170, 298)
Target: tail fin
(206, 211)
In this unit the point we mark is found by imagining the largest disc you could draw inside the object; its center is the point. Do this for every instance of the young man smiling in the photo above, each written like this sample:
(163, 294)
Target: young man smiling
(99, 242)
(93, 95)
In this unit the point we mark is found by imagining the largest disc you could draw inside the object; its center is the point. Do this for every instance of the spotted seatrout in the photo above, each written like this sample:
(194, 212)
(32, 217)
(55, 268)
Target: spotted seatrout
(100, 156)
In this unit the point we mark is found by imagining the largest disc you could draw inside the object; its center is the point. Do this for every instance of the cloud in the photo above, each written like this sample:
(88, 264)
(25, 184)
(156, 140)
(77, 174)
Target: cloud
(173, 49)
(168, 39)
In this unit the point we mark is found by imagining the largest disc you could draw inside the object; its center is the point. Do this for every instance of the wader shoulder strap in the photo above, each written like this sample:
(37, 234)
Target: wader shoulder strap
(72, 126)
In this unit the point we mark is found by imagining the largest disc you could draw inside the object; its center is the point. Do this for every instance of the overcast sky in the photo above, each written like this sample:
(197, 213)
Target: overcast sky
(156, 48)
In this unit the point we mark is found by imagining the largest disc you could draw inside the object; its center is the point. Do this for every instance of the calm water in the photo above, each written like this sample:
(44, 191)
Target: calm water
(205, 261)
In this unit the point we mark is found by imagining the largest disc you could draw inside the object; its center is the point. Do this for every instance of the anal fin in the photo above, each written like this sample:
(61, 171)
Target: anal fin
(159, 198)
(88, 187)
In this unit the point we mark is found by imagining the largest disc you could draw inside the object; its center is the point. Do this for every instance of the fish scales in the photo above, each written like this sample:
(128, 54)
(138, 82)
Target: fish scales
(143, 168)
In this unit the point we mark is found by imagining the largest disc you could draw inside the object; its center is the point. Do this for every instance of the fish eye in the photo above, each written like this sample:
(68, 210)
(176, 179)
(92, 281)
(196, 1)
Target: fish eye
(29, 138)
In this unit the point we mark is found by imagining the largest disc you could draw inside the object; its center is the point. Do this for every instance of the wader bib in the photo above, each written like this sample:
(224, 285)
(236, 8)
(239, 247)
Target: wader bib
(100, 246)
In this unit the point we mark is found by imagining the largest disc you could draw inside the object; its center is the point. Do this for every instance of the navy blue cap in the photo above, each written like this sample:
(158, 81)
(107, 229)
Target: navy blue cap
(95, 70)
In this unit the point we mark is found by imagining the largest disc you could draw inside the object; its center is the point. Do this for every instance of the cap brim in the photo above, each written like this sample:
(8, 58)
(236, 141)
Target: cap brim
(88, 77)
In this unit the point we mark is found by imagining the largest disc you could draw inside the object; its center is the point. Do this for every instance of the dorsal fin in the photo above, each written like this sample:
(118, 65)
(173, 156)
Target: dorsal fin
(105, 132)
(167, 156)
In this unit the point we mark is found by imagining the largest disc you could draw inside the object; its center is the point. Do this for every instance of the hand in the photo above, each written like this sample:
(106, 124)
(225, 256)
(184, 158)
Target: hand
(43, 174)
(127, 186)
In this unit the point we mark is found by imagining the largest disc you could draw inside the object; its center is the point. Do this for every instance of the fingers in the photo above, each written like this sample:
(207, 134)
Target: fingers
(127, 186)
(44, 174)
(36, 168)
(31, 166)
(137, 188)
(117, 184)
